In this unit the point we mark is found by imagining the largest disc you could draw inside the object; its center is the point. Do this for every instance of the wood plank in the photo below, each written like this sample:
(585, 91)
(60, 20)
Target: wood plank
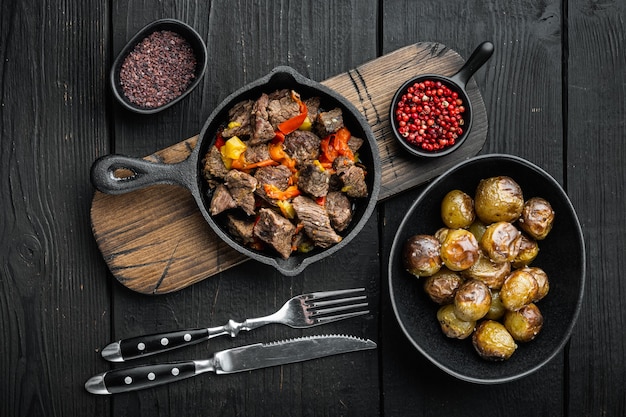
(596, 149)
(54, 299)
(151, 239)
(522, 93)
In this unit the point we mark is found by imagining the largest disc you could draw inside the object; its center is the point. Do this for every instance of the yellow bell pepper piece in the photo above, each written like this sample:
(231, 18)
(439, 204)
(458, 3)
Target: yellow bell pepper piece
(232, 150)
(286, 208)
(306, 125)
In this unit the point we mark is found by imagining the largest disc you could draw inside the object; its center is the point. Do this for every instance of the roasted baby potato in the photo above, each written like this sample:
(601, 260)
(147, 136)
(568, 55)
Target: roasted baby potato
(537, 218)
(478, 229)
(528, 251)
(488, 271)
(451, 325)
(543, 285)
(524, 324)
(519, 289)
(496, 309)
(459, 249)
(441, 286)
(472, 300)
(421, 255)
(457, 210)
(501, 242)
(498, 199)
(493, 341)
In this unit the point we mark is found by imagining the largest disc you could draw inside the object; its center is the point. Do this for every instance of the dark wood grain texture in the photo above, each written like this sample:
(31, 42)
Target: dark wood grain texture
(53, 290)
(156, 241)
(554, 94)
(521, 87)
(246, 40)
(596, 174)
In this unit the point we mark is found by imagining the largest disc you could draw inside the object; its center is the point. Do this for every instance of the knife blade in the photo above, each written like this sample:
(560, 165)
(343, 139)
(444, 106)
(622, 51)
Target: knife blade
(245, 358)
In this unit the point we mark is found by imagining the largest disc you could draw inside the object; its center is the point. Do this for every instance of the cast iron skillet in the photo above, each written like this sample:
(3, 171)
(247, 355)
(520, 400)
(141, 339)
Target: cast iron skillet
(189, 172)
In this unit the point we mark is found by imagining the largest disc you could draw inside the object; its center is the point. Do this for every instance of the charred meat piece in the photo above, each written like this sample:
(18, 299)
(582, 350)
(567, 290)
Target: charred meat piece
(316, 222)
(242, 187)
(352, 177)
(339, 210)
(329, 122)
(274, 175)
(355, 143)
(241, 229)
(256, 153)
(214, 165)
(303, 146)
(262, 131)
(313, 180)
(313, 107)
(275, 230)
(222, 200)
(281, 107)
(239, 118)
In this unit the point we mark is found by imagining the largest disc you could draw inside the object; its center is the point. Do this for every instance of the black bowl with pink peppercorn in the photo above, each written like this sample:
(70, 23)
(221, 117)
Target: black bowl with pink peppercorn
(158, 67)
(431, 115)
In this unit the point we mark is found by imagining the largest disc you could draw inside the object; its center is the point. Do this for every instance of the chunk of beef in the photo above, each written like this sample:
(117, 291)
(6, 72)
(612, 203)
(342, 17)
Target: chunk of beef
(241, 118)
(242, 187)
(282, 107)
(241, 229)
(214, 165)
(316, 222)
(303, 146)
(222, 200)
(339, 210)
(351, 176)
(312, 107)
(273, 175)
(256, 153)
(275, 230)
(329, 122)
(313, 180)
(262, 130)
(355, 144)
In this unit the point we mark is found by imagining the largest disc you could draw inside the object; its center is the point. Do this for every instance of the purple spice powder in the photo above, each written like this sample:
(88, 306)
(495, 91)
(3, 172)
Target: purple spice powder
(158, 70)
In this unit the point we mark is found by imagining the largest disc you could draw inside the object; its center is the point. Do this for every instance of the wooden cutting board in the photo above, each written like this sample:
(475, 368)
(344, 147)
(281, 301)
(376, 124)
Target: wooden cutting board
(156, 241)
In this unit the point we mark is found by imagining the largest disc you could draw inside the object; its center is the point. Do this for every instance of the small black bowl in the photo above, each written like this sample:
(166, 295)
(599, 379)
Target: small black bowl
(184, 30)
(561, 256)
(456, 83)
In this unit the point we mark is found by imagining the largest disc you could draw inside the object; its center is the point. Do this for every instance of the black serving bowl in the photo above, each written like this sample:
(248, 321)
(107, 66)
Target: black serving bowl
(182, 29)
(456, 83)
(561, 256)
(189, 173)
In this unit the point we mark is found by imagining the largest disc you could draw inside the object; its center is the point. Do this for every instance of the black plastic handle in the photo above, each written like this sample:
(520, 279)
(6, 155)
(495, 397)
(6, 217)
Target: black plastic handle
(146, 376)
(105, 174)
(152, 344)
(478, 58)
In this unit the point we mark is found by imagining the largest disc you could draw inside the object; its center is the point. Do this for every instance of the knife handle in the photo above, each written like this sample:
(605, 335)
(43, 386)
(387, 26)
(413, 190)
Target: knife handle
(140, 377)
(152, 344)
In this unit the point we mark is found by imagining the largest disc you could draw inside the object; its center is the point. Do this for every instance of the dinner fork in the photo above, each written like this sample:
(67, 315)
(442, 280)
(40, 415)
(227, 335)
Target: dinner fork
(301, 311)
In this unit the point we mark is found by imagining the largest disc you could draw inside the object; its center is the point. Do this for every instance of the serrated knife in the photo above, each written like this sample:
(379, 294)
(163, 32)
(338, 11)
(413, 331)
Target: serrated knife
(245, 358)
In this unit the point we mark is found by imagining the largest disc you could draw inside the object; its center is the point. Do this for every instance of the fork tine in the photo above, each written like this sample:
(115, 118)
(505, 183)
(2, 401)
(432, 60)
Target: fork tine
(328, 319)
(325, 294)
(324, 303)
(330, 310)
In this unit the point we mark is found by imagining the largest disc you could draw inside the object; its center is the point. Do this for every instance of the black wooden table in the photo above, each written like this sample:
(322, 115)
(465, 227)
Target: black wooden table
(555, 92)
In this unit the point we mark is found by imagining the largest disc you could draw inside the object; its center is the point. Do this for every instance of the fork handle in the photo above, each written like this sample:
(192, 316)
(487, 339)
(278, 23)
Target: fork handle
(147, 345)
(152, 344)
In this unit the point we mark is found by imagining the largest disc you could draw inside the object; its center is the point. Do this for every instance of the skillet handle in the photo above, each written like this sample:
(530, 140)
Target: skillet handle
(107, 174)
(481, 54)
